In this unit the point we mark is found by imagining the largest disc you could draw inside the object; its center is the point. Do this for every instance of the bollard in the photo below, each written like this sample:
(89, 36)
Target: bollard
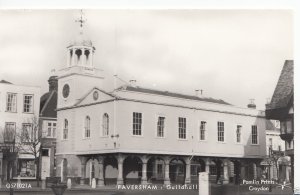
(203, 183)
(43, 184)
(69, 183)
(19, 180)
(93, 183)
(58, 189)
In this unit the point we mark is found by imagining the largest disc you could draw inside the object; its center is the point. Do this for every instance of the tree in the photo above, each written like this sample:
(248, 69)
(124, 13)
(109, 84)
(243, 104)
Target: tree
(10, 150)
(29, 142)
(274, 156)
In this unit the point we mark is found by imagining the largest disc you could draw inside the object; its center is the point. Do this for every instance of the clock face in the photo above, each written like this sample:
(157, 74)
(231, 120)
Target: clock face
(66, 91)
(95, 95)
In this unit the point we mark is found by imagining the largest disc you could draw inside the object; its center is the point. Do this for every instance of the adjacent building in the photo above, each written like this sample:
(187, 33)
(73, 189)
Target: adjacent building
(19, 111)
(47, 121)
(281, 108)
(279, 167)
(133, 134)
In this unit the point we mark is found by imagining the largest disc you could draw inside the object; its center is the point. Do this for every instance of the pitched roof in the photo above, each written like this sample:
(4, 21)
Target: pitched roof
(48, 104)
(271, 126)
(171, 94)
(5, 82)
(284, 90)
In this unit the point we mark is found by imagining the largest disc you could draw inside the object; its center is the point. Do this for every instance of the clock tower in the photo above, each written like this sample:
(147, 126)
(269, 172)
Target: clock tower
(79, 75)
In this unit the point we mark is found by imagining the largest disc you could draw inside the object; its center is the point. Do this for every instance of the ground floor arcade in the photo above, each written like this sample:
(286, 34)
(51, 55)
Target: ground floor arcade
(122, 168)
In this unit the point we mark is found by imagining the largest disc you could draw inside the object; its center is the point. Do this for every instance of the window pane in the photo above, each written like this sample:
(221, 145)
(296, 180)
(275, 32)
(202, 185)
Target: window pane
(11, 102)
(181, 128)
(202, 130)
(160, 126)
(137, 123)
(221, 131)
(254, 134)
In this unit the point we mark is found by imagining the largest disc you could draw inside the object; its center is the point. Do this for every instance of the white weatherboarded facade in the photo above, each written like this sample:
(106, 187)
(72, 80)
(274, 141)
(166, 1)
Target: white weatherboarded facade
(137, 135)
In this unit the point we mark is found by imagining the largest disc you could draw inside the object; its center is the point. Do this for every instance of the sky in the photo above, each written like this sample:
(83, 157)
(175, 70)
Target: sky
(234, 55)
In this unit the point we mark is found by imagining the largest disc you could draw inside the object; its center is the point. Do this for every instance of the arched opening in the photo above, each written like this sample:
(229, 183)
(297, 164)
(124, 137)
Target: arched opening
(236, 172)
(177, 171)
(105, 124)
(87, 56)
(216, 170)
(110, 170)
(155, 170)
(78, 53)
(64, 170)
(92, 170)
(250, 172)
(197, 165)
(70, 57)
(132, 170)
(87, 125)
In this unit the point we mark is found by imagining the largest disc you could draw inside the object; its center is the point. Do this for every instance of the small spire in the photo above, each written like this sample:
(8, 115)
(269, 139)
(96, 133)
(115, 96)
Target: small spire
(81, 20)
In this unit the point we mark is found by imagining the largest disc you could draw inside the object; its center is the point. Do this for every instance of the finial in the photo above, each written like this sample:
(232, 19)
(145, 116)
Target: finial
(81, 20)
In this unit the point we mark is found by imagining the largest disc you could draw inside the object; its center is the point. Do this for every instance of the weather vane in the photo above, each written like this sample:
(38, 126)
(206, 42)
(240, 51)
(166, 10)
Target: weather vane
(81, 20)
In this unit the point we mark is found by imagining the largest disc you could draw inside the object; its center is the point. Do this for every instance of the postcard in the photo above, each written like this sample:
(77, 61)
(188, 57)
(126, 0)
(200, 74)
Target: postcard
(147, 101)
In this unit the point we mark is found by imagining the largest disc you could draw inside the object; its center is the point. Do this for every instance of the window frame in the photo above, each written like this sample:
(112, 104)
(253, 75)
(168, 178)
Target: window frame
(240, 133)
(224, 140)
(30, 134)
(200, 130)
(133, 124)
(65, 129)
(53, 132)
(87, 127)
(257, 137)
(185, 129)
(32, 103)
(12, 103)
(105, 125)
(157, 126)
(15, 128)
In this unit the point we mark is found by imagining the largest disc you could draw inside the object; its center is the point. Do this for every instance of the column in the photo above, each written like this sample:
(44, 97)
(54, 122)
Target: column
(254, 171)
(120, 180)
(144, 169)
(271, 171)
(243, 174)
(101, 171)
(73, 57)
(207, 162)
(82, 57)
(187, 171)
(155, 169)
(91, 58)
(225, 173)
(287, 174)
(83, 169)
(68, 57)
(167, 179)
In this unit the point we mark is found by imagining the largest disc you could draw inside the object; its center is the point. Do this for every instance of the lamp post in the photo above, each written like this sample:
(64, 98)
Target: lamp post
(270, 162)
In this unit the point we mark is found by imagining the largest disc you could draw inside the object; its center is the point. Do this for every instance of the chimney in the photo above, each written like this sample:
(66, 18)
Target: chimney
(53, 85)
(132, 83)
(251, 104)
(198, 92)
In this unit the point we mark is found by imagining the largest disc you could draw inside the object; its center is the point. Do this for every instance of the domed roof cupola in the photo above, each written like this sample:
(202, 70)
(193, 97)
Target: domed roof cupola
(80, 51)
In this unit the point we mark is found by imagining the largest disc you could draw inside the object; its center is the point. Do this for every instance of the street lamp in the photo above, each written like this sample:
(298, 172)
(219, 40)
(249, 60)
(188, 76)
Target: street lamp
(270, 162)
(115, 136)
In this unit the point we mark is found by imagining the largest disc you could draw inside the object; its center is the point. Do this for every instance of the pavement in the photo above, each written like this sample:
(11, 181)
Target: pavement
(215, 189)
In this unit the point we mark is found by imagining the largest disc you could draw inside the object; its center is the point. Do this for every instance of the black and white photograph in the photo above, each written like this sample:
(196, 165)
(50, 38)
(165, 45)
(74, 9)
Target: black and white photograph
(147, 101)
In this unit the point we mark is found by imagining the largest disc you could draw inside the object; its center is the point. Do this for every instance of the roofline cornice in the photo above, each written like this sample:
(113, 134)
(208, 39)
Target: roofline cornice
(162, 104)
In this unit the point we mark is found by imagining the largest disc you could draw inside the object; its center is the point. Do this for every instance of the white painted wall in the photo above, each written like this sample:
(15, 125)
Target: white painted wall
(120, 113)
